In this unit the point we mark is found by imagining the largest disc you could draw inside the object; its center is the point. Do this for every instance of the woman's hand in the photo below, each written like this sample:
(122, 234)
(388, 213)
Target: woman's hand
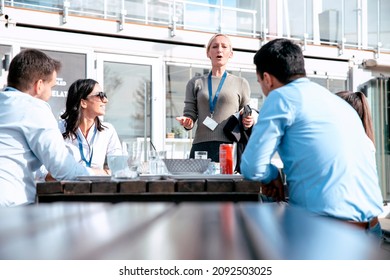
(248, 121)
(186, 122)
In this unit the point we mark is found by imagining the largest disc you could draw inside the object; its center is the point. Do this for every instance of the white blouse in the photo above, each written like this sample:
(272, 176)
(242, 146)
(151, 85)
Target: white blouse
(96, 147)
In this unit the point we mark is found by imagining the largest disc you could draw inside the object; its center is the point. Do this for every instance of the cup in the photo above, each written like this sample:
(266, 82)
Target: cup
(125, 165)
(134, 152)
(213, 168)
(120, 168)
(200, 154)
(156, 163)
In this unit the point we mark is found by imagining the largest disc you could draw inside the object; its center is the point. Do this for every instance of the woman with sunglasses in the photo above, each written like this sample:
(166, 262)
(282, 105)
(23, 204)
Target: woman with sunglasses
(90, 139)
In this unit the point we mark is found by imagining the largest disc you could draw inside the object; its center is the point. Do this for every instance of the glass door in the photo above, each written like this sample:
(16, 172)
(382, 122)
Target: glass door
(134, 88)
(378, 94)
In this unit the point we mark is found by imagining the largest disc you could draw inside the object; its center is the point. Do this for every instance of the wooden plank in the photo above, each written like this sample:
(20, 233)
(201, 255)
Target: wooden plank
(136, 186)
(191, 185)
(104, 187)
(71, 187)
(161, 186)
(219, 186)
(247, 186)
(49, 187)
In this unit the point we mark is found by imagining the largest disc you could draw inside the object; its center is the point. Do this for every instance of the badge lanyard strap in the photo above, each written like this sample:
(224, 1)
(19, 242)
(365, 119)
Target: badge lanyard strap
(87, 162)
(213, 102)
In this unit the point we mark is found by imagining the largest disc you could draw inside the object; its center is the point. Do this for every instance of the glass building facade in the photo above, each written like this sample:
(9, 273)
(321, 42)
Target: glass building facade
(143, 52)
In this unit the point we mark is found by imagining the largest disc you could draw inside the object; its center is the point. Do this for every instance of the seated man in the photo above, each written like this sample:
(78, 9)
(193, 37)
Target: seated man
(29, 135)
(327, 157)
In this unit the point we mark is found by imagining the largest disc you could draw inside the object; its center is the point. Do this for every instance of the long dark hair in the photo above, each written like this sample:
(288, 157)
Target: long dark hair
(359, 102)
(79, 90)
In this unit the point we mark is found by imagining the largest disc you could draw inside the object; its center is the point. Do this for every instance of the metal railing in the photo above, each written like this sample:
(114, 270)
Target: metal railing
(170, 13)
(187, 15)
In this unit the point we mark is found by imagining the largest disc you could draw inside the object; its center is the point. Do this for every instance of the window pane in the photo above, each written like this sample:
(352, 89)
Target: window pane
(351, 13)
(209, 15)
(330, 21)
(94, 8)
(177, 78)
(135, 9)
(5, 58)
(128, 90)
(257, 97)
(158, 11)
(334, 85)
(385, 24)
(73, 68)
(43, 5)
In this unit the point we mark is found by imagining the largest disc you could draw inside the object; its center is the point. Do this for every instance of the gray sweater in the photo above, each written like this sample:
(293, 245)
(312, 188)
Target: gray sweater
(234, 95)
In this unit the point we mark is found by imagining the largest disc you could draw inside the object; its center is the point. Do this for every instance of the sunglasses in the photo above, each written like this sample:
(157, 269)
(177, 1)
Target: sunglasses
(101, 95)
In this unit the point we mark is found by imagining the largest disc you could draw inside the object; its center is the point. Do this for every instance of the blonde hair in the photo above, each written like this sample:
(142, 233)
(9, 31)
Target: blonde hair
(215, 36)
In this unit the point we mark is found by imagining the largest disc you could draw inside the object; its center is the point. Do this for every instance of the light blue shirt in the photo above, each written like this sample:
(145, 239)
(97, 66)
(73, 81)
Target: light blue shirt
(328, 158)
(29, 137)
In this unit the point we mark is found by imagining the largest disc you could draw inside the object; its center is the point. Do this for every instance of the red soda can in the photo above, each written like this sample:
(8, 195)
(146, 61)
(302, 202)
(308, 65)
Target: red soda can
(226, 158)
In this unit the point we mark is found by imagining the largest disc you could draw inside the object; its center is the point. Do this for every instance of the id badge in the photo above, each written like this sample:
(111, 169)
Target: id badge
(210, 123)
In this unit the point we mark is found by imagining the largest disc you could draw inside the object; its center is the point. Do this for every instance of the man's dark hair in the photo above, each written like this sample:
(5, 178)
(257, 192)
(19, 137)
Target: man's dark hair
(281, 58)
(29, 66)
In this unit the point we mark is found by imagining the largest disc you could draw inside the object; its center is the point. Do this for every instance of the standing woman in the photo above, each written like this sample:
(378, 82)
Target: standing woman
(213, 98)
(89, 139)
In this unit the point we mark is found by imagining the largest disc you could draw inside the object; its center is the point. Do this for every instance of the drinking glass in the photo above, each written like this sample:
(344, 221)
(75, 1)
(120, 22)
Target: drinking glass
(119, 167)
(156, 163)
(125, 165)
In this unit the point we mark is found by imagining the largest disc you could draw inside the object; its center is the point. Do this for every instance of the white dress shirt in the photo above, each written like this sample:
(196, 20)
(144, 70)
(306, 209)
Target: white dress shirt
(96, 147)
(29, 137)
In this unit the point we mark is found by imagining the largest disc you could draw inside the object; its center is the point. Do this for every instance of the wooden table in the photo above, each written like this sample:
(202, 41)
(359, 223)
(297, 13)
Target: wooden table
(182, 231)
(164, 189)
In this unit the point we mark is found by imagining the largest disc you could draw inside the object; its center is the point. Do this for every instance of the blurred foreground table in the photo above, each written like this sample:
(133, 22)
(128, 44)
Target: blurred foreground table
(170, 231)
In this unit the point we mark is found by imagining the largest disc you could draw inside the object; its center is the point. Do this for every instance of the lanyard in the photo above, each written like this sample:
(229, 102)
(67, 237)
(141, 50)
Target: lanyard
(87, 162)
(213, 102)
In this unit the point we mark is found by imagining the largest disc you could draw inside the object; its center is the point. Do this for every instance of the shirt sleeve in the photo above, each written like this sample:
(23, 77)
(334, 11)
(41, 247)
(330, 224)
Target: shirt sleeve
(46, 142)
(274, 118)
(114, 144)
(190, 102)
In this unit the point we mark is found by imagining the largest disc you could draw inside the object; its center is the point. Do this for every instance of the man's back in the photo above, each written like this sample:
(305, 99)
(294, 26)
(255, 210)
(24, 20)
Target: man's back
(17, 112)
(29, 137)
(328, 160)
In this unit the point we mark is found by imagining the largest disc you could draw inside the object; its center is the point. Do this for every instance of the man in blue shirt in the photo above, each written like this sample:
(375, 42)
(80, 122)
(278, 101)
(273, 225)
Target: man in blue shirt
(328, 160)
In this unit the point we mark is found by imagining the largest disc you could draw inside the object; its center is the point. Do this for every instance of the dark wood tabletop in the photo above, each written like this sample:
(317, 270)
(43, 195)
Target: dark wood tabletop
(177, 231)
